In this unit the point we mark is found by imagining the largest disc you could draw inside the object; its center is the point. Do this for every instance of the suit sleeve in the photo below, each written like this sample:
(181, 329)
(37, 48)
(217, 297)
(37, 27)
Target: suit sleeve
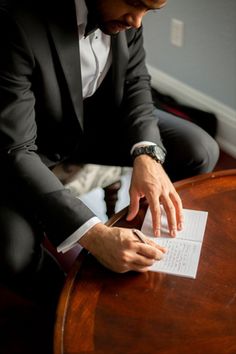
(140, 119)
(57, 210)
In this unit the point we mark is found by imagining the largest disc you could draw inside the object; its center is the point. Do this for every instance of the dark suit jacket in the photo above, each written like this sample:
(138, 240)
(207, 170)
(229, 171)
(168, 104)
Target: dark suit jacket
(41, 105)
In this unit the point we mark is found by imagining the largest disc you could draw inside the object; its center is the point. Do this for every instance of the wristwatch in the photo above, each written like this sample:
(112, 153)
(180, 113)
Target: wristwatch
(153, 151)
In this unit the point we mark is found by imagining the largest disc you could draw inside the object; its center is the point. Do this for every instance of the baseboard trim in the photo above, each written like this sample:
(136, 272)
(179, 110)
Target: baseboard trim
(226, 116)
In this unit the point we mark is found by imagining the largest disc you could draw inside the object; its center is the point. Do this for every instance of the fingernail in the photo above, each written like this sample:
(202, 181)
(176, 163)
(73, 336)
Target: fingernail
(159, 256)
(180, 226)
(157, 232)
(173, 233)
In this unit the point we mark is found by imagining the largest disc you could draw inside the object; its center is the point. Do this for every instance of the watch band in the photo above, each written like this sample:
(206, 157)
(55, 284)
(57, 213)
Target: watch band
(154, 151)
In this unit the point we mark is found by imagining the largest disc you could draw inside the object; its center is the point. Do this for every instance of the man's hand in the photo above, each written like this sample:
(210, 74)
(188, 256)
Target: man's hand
(150, 180)
(120, 250)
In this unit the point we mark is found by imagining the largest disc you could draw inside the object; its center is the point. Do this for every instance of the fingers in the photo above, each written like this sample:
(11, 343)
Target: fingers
(155, 251)
(149, 179)
(151, 252)
(173, 208)
(178, 210)
(144, 257)
(133, 207)
(171, 215)
(155, 209)
(120, 250)
(174, 212)
(156, 246)
(147, 254)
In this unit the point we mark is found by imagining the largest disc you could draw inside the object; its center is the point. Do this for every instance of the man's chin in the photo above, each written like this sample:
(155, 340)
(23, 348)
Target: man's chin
(113, 28)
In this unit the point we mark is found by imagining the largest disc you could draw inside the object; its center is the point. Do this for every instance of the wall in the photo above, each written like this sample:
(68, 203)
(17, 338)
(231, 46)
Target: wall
(203, 71)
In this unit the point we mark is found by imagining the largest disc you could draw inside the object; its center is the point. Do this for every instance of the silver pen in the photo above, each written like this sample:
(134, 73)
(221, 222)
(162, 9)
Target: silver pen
(139, 234)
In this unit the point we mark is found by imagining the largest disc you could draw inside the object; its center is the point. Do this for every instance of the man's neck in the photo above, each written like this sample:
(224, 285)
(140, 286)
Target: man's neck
(91, 3)
(91, 6)
(92, 18)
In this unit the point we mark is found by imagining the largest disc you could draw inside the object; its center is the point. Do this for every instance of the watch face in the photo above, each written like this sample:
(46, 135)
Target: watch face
(159, 154)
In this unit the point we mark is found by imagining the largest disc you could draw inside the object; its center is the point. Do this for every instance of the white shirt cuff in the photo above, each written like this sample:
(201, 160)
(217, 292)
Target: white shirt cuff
(72, 240)
(141, 143)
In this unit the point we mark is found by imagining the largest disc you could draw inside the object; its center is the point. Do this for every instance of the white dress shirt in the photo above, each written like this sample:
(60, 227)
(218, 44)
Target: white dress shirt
(95, 52)
(95, 59)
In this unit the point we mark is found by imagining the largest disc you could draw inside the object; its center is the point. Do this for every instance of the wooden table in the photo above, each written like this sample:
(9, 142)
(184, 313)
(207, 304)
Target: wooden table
(101, 312)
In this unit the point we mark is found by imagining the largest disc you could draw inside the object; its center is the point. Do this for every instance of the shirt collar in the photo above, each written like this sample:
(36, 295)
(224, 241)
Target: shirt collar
(81, 16)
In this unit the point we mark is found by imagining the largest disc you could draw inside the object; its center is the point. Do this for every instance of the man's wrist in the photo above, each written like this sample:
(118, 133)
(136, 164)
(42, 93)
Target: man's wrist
(70, 241)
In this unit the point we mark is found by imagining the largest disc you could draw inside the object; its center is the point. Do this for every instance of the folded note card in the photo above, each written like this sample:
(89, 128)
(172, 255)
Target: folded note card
(184, 250)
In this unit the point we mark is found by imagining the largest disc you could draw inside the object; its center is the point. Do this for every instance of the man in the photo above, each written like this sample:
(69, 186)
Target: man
(74, 89)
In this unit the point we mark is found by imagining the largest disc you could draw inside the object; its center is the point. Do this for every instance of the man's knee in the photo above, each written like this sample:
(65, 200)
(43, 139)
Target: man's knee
(205, 153)
(17, 243)
(190, 153)
(190, 149)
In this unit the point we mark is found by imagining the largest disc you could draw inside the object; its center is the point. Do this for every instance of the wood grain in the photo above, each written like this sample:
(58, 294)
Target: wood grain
(103, 312)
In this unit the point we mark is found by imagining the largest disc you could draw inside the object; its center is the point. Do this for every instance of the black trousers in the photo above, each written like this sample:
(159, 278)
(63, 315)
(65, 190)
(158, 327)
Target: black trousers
(190, 151)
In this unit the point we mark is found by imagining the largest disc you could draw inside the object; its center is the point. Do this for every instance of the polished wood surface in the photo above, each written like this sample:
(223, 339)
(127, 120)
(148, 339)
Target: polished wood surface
(101, 312)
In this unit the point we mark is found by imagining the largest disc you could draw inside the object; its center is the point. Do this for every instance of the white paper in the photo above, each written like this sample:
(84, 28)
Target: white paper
(184, 250)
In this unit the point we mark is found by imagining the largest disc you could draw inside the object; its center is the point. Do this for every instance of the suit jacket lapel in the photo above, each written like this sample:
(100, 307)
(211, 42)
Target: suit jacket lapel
(120, 55)
(63, 28)
(64, 31)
